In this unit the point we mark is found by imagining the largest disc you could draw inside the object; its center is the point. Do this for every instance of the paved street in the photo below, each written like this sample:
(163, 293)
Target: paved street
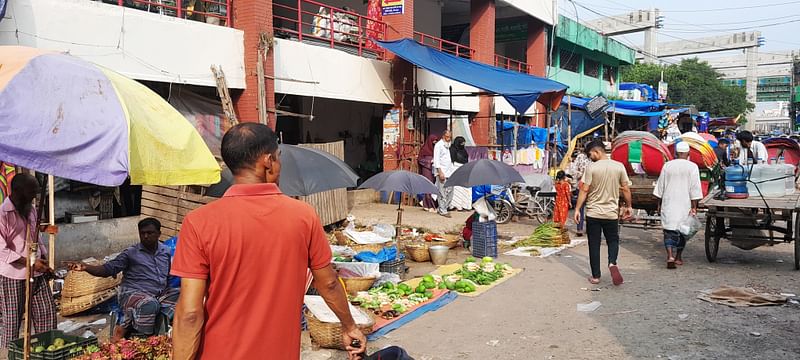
(655, 314)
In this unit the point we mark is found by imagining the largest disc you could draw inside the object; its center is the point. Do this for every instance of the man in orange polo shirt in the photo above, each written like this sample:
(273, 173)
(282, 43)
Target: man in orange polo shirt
(247, 255)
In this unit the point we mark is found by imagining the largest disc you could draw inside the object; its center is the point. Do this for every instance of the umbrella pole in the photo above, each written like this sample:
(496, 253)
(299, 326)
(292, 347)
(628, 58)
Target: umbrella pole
(33, 246)
(51, 215)
(399, 216)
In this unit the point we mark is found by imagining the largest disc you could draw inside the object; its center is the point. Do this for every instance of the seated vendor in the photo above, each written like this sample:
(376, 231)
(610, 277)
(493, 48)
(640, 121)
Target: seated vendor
(144, 291)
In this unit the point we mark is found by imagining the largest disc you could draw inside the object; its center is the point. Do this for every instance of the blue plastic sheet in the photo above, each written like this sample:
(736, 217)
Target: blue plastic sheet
(172, 244)
(386, 254)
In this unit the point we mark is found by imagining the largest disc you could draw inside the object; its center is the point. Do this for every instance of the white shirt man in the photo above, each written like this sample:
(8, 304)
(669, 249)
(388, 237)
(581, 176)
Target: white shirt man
(757, 148)
(679, 190)
(442, 169)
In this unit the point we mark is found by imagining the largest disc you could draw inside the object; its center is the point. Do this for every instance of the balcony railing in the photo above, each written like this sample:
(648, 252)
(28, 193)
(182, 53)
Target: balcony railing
(310, 21)
(444, 45)
(511, 64)
(215, 12)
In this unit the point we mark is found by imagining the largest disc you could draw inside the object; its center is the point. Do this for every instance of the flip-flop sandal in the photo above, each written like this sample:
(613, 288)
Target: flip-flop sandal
(594, 281)
(671, 263)
(679, 262)
(616, 277)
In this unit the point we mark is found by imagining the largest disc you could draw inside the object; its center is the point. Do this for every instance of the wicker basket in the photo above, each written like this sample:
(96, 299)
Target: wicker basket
(81, 283)
(451, 240)
(418, 252)
(75, 305)
(367, 247)
(329, 335)
(356, 284)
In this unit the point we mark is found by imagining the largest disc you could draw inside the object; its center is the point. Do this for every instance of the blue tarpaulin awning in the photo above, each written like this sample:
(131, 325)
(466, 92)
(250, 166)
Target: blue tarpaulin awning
(622, 107)
(520, 90)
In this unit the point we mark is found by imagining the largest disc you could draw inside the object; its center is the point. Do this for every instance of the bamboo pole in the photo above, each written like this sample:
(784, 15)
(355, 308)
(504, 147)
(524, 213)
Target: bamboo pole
(569, 119)
(33, 246)
(51, 220)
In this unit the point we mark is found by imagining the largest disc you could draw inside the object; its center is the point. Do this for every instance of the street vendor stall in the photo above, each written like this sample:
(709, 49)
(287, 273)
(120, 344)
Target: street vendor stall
(752, 222)
(69, 118)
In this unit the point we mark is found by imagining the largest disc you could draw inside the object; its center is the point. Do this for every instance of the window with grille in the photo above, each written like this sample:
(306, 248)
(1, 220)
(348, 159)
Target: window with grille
(591, 68)
(569, 60)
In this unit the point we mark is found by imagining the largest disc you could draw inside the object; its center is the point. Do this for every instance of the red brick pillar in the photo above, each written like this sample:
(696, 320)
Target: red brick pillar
(536, 54)
(481, 39)
(255, 17)
(536, 57)
(398, 27)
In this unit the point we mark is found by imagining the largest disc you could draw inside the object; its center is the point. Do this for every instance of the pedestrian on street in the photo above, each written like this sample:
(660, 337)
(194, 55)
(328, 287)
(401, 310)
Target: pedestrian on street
(602, 183)
(443, 168)
(243, 262)
(722, 152)
(145, 292)
(678, 190)
(425, 160)
(576, 169)
(18, 221)
(563, 195)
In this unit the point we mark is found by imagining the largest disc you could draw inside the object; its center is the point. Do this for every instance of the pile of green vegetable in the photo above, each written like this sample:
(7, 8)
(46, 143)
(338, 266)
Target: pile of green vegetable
(401, 297)
(545, 235)
(473, 273)
(58, 344)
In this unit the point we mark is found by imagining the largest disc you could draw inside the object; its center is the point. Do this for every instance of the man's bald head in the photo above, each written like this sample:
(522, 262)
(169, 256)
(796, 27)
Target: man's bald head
(244, 143)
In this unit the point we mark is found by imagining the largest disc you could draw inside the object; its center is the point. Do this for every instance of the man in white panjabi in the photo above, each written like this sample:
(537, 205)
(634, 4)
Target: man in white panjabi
(678, 190)
(442, 169)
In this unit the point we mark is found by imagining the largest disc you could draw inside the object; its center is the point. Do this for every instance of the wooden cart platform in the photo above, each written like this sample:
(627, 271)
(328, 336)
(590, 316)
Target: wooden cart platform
(758, 220)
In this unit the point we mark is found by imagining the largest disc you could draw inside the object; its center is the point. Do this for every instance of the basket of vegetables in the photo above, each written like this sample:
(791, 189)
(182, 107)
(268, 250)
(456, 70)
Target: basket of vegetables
(449, 240)
(418, 252)
(329, 335)
(52, 345)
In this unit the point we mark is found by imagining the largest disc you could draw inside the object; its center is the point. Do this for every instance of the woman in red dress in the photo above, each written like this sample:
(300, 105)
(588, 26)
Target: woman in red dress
(563, 197)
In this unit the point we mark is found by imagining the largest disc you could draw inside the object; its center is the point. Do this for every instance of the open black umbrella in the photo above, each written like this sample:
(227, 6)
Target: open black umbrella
(400, 181)
(484, 172)
(304, 171)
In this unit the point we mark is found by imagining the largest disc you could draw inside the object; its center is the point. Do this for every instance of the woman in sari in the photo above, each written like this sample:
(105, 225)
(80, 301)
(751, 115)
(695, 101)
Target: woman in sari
(425, 161)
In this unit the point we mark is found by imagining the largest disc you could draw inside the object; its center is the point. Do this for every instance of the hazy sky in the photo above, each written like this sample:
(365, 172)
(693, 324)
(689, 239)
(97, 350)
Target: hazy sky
(778, 20)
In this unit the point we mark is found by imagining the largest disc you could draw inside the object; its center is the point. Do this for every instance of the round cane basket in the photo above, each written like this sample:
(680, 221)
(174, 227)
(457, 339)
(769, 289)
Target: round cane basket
(356, 284)
(79, 304)
(418, 252)
(367, 247)
(81, 283)
(329, 335)
(449, 240)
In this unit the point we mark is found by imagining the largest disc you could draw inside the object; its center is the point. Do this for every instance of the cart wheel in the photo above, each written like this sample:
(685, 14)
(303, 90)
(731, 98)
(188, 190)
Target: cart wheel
(797, 242)
(504, 211)
(712, 237)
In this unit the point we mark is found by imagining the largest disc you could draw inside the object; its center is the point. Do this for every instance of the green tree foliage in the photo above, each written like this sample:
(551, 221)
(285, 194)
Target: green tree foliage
(693, 82)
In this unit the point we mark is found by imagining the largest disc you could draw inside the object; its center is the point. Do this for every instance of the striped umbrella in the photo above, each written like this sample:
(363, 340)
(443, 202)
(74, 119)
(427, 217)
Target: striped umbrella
(66, 117)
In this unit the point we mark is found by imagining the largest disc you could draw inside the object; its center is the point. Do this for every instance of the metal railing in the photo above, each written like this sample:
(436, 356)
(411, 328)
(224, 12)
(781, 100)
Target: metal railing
(444, 45)
(215, 12)
(511, 64)
(338, 28)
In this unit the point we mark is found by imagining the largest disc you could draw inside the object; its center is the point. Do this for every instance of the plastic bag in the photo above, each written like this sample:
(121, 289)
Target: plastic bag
(172, 244)
(689, 226)
(357, 269)
(384, 230)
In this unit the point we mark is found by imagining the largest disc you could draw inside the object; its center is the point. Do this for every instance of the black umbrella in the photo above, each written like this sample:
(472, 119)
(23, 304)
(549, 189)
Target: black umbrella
(304, 171)
(484, 172)
(400, 181)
